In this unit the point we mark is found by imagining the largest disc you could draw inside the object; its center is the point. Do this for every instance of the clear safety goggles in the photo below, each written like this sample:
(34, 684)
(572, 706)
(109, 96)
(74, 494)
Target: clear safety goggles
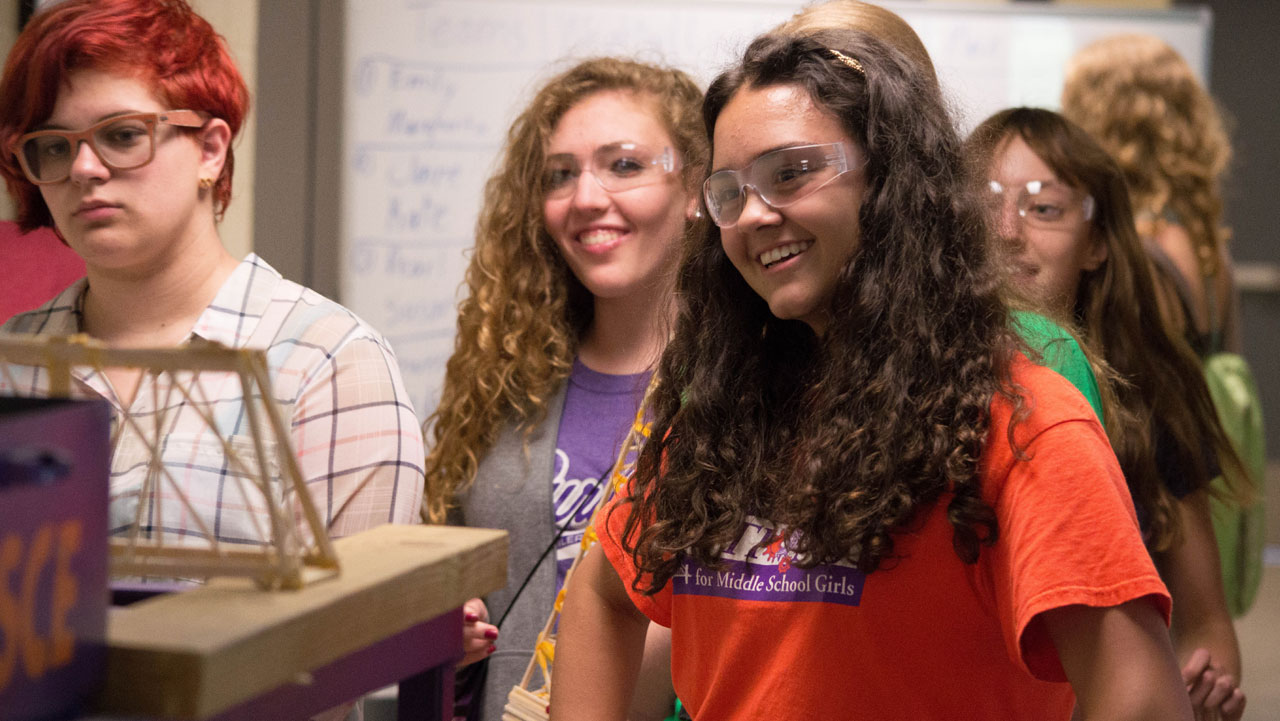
(779, 177)
(1041, 203)
(616, 167)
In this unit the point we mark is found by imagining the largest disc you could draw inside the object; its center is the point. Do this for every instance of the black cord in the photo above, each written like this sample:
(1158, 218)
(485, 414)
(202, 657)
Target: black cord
(471, 679)
(555, 539)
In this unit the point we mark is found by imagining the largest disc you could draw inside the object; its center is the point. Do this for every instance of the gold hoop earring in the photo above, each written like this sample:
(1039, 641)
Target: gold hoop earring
(207, 183)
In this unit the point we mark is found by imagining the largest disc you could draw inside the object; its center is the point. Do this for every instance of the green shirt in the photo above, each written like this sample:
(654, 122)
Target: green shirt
(1060, 352)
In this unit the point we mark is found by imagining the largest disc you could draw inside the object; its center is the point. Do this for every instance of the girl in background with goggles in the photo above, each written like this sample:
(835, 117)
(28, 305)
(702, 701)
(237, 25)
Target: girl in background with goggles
(117, 119)
(568, 308)
(859, 498)
(1073, 249)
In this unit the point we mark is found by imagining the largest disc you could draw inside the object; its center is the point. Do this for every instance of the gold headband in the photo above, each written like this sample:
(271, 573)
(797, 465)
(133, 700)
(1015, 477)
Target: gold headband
(848, 61)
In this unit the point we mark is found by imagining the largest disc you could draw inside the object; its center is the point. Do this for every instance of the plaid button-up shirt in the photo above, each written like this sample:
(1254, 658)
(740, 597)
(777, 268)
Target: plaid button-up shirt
(338, 388)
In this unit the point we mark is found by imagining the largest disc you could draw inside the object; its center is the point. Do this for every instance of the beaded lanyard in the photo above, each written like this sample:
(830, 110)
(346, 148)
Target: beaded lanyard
(529, 704)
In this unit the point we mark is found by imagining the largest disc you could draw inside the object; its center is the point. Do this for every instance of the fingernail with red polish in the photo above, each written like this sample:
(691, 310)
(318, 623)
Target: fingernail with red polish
(492, 648)
(491, 634)
(471, 618)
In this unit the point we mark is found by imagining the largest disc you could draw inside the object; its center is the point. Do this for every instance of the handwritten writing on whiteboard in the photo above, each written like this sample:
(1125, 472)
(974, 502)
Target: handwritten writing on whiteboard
(462, 30)
(379, 71)
(402, 166)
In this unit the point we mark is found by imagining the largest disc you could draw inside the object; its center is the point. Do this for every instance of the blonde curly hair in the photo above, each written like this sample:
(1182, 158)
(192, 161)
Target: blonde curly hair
(518, 328)
(1141, 101)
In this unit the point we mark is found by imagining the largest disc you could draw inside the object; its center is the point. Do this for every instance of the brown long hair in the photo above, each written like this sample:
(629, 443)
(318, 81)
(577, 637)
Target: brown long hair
(841, 439)
(1118, 311)
(518, 328)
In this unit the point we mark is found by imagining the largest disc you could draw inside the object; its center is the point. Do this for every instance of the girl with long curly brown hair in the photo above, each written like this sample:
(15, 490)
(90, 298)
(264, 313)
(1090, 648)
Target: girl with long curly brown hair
(858, 494)
(1050, 344)
(569, 306)
(1143, 103)
(1063, 217)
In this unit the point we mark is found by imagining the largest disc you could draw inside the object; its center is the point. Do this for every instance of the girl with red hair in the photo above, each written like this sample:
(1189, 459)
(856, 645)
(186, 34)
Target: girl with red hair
(116, 124)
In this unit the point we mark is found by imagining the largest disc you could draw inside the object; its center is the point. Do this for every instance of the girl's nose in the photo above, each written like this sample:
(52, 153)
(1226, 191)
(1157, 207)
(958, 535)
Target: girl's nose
(589, 194)
(86, 166)
(756, 212)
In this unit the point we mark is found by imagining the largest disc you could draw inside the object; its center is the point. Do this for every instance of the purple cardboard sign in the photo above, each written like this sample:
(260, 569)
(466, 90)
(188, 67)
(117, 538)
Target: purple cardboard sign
(54, 463)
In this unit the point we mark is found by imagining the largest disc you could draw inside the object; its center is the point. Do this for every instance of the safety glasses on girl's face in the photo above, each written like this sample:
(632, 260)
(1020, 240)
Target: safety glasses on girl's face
(1042, 203)
(779, 177)
(615, 167)
(123, 142)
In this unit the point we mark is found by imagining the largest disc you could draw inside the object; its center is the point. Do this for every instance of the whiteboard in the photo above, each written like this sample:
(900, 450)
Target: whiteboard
(431, 86)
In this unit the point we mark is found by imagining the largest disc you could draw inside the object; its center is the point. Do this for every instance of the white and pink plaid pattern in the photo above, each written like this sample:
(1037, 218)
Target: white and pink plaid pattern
(333, 377)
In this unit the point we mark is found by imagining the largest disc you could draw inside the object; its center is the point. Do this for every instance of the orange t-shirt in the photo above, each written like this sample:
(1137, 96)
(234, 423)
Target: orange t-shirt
(926, 636)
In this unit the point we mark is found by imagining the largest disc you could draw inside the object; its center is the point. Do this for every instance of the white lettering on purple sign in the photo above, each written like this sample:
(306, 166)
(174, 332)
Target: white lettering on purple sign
(756, 571)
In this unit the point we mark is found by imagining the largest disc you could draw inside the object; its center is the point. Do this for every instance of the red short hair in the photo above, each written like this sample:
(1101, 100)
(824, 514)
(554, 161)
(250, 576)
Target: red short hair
(164, 42)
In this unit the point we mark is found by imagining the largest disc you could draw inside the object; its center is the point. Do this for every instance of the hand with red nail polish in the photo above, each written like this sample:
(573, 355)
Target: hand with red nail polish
(478, 634)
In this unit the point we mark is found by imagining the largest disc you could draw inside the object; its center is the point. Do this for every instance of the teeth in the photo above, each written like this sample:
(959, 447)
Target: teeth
(596, 237)
(769, 257)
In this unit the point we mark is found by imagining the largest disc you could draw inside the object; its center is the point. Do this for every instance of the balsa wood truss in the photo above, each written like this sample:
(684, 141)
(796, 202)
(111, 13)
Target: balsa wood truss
(531, 700)
(296, 548)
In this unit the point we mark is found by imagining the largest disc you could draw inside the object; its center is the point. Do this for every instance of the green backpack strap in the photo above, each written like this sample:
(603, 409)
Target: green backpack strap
(1240, 530)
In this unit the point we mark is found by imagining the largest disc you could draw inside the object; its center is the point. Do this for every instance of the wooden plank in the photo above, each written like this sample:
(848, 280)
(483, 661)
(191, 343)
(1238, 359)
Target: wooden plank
(81, 350)
(191, 655)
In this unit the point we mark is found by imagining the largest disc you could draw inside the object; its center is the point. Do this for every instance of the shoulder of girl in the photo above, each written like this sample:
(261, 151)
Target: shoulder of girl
(1047, 397)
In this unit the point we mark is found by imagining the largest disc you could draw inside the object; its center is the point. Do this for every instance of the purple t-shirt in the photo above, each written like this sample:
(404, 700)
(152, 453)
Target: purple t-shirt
(598, 411)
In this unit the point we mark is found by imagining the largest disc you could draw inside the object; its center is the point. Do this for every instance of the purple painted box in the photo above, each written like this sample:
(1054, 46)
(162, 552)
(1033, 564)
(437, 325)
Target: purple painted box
(54, 463)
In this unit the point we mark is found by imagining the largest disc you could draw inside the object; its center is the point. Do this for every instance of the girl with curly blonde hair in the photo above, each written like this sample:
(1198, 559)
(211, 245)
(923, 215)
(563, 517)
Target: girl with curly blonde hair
(1145, 106)
(570, 293)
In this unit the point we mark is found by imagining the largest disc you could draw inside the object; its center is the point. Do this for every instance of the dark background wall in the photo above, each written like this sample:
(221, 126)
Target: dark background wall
(1244, 78)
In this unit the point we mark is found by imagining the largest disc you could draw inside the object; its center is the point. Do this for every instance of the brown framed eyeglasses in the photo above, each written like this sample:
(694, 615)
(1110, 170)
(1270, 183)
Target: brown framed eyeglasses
(123, 142)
